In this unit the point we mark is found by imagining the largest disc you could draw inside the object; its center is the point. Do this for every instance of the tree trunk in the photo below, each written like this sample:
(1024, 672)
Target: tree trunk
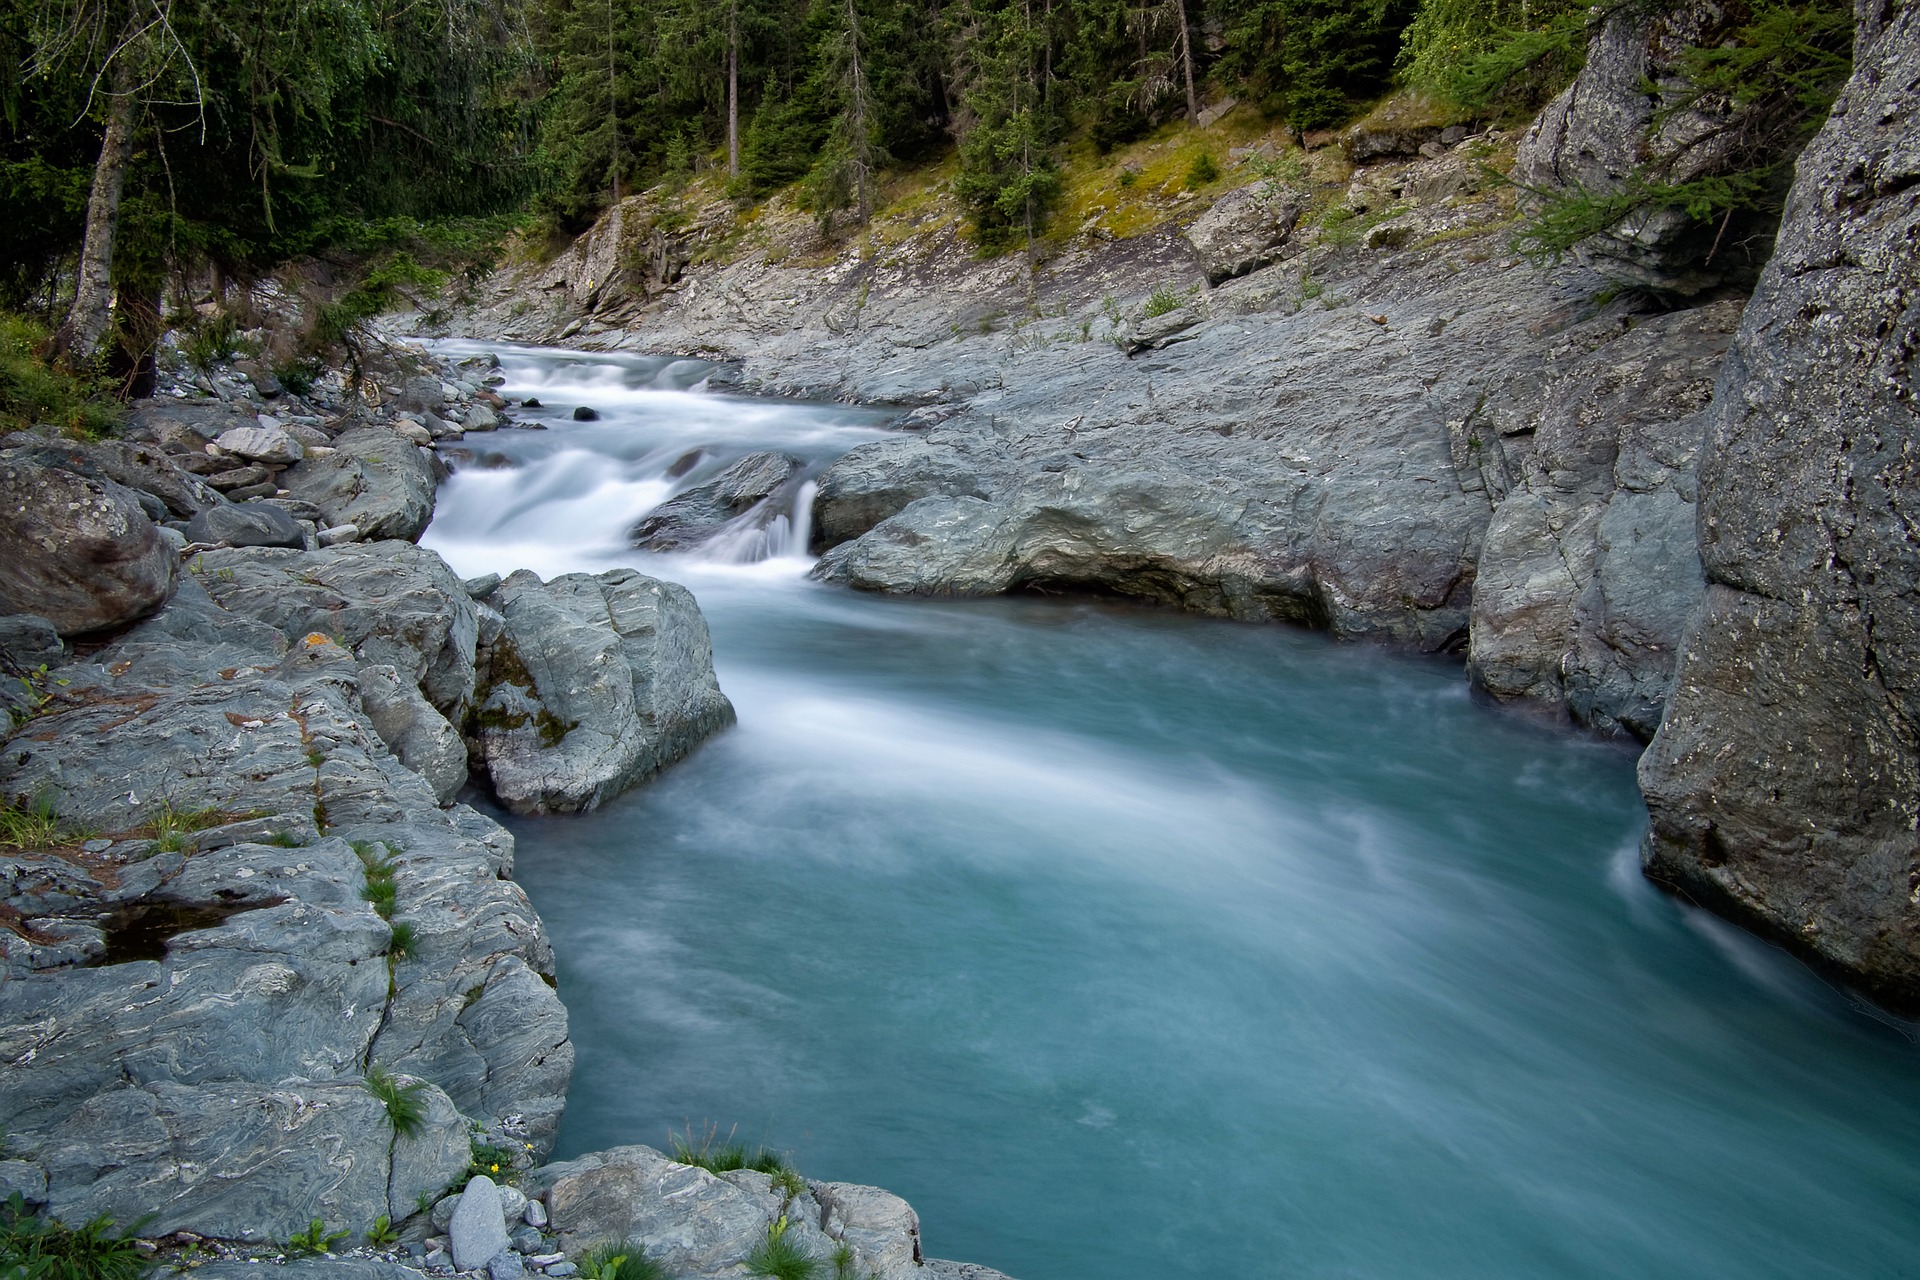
(733, 91)
(1186, 61)
(77, 340)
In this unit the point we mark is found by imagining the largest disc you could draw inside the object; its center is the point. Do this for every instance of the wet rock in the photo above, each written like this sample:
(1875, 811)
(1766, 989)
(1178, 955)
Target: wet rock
(1782, 785)
(477, 1230)
(80, 553)
(1245, 230)
(245, 524)
(373, 480)
(689, 519)
(585, 413)
(593, 683)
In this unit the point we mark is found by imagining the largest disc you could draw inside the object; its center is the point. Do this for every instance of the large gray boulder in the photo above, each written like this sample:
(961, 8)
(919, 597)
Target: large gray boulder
(389, 602)
(1245, 229)
(245, 524)
(1784, 784)
(477, 1230)
(78, 552)
(372, 479)
(589, 684)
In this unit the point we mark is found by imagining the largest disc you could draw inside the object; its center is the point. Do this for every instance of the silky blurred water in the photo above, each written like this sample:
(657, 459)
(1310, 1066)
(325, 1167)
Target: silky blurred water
(1133, 945)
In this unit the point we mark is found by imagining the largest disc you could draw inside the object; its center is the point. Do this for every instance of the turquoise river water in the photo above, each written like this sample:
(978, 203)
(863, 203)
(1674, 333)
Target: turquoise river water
(1132, 945)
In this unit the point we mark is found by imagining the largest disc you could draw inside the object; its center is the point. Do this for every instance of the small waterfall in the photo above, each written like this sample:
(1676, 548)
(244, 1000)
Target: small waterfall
(569, 496)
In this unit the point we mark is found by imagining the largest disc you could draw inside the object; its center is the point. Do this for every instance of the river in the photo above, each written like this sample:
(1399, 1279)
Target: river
(1126, 944)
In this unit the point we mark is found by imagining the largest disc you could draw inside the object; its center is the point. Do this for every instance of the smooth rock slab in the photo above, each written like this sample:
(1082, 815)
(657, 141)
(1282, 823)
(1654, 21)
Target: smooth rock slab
(270, 445)
(245, 524)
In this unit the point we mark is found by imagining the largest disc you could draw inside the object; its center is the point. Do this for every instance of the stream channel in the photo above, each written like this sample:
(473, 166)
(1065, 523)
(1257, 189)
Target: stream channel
(1126, 944)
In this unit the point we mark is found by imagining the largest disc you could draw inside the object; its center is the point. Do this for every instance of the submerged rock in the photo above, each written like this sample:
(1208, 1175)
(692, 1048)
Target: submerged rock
(80, 553)
(1784, 784)
(589, 684)
(689, 519)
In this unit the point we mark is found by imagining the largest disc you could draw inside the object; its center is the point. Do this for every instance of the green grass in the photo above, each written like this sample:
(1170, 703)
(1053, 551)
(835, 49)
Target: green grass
(721, 1155)
(404, 942)
(380, 889)
(315, 1239)
(1163, 299)
(382, 1232)
(169, 828)
(406, 1104)
(781, 1257)
(32, 392)
(32, 823)
(618, 1262)
(34, 1248)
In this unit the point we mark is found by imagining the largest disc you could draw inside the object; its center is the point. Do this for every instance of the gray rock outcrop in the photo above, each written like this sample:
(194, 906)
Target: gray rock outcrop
(186, 1036)
(372, 479)
(78, 552)
(1245, 229)
(588, 684)
(1784, 784)
(699, 1224)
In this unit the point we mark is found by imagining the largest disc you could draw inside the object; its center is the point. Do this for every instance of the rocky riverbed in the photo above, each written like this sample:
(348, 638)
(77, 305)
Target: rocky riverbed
(262, 969)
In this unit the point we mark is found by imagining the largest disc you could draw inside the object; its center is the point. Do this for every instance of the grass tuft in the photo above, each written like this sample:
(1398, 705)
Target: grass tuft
(618, 1262)
(39, 1249)
(406, 1103)
(782, 1257)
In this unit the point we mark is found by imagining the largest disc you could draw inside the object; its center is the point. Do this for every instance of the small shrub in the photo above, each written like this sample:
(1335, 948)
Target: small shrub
(33, 392)
(209, 342)
(491, 1158)
(382, 1233)
(618, 1262)
(1163, 299)
(1127, 178)
(39, 1249)
(315, 1239)
(1202, 171)
(406, 1103)
(781, 1257)
(298, 376)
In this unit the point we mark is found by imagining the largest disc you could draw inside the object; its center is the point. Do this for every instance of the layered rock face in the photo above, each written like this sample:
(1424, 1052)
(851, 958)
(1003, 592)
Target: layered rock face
(190, 1013)
(1784, 784)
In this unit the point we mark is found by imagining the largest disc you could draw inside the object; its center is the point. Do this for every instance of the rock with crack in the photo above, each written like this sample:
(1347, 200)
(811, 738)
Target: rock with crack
(590, 683)
(1784, 784)
(1245, 229)
(189, 1036)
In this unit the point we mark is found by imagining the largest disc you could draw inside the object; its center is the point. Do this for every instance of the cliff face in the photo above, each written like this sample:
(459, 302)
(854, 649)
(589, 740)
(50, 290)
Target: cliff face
(1784, 784)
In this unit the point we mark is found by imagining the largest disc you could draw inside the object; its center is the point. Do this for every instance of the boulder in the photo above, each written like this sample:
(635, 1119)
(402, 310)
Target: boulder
(136, 466)
(80, 553)
(1589, 570)
(261, 443)
(28, 641)
(372, 480)
(592, 683)
(698, 515)
(477, 1231)
(1245, 230)
(387, 602)
(1631, 112)
(245, 524)
(1784, 783)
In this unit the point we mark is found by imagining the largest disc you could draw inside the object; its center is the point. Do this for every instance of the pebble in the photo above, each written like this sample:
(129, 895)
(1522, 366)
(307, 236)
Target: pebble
(560, 1269)
(506, 1265)
(437, 1258)
(536, 1214)
(527, 1239)
(545, 1259)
